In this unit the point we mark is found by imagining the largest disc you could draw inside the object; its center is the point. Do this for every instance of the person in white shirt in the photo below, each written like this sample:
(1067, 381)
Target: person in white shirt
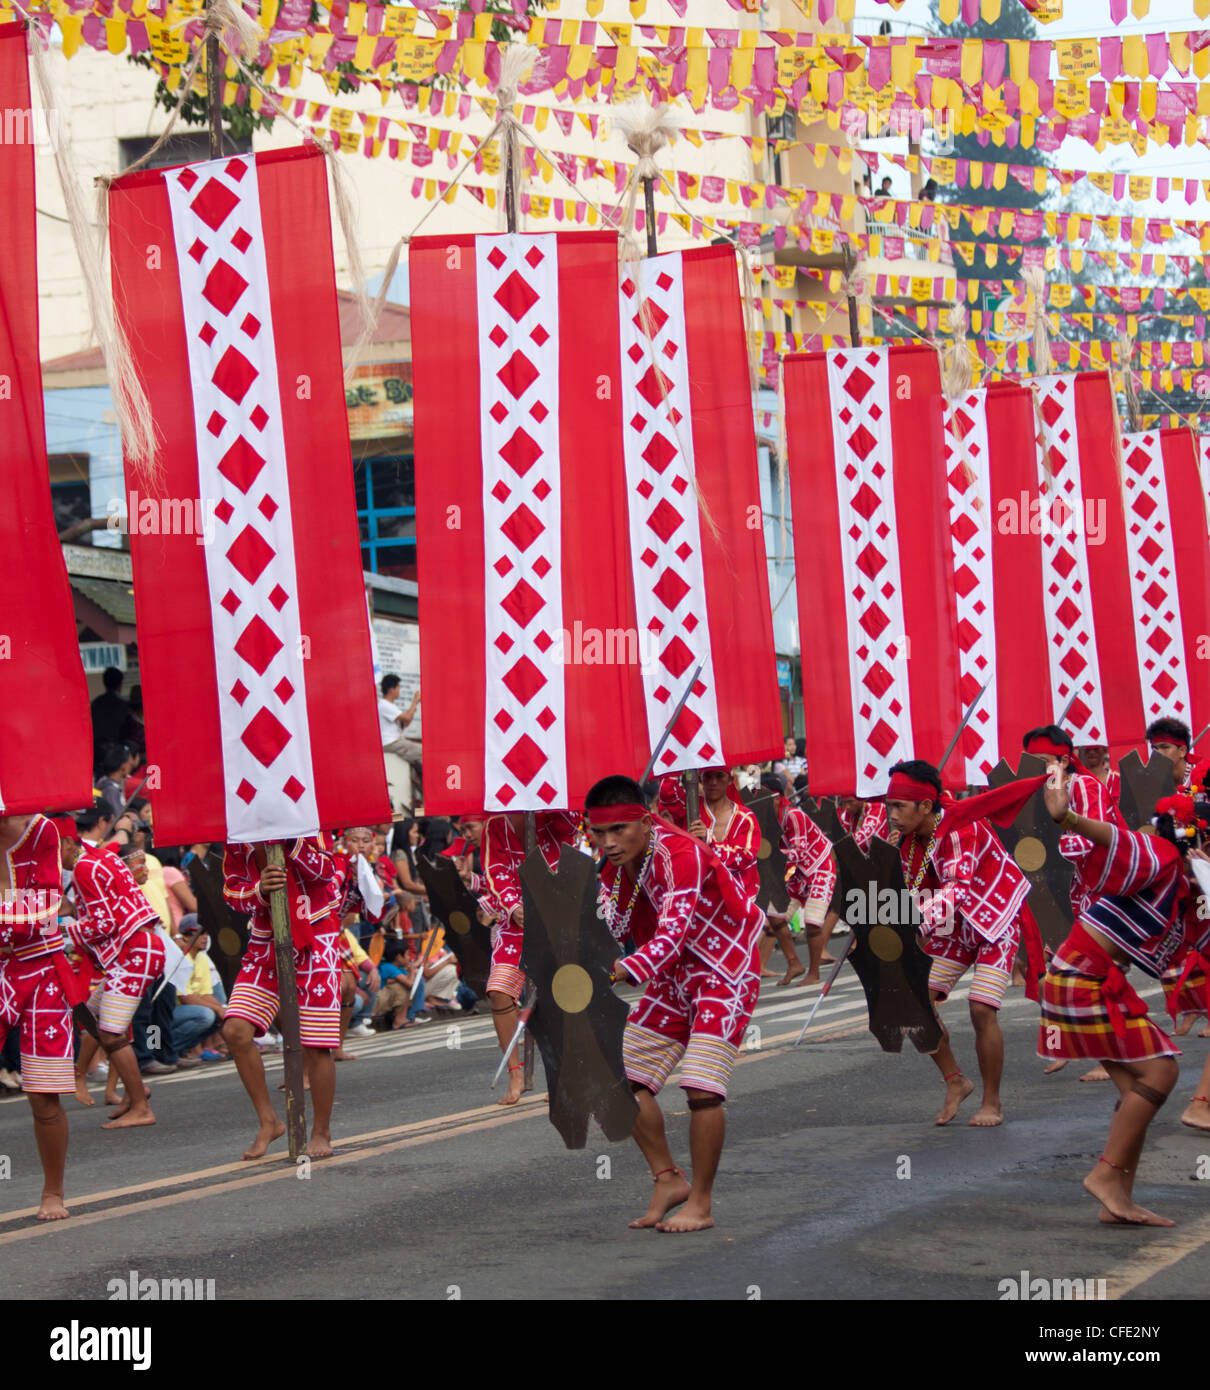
(402, 755)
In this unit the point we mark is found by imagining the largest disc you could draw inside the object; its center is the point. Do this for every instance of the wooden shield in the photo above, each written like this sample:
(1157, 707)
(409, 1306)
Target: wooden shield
(454, 906)
(886, 953)
(577, 1020)
(1142, 787)
(227, 929)
(1033, 841)
(823, 813)
(770, 858)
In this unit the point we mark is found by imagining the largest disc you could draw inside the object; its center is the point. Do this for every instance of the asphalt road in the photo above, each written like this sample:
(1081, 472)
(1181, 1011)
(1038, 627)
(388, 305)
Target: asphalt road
(835, 1183)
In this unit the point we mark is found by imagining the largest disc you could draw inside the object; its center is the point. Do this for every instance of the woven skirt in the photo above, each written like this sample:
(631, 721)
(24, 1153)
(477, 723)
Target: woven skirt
(1076, 1021)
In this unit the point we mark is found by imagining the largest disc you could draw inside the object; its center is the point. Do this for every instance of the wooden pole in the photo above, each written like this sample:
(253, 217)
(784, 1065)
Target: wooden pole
(214, 94)
(649, 212)
(287, 1008)
(854, 329)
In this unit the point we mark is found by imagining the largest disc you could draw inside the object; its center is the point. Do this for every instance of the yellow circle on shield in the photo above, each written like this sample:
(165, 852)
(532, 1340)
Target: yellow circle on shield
(459, 922)
(228, 941)
(886, 943)
(572, 988)
(1030, 853)
(766, 849)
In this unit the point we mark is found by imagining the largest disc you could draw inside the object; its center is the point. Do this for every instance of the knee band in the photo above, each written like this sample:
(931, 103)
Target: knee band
(1149, 1093)
(641, 1086)
(708, 1102)
(110, 1048)
(508, 1009)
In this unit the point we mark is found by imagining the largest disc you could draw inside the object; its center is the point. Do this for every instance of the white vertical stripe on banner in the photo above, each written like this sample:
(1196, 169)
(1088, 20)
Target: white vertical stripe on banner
(259, 652)
(665, 525)
(1066, 593)
(1154, 579)
(517, 285)
(859, 389)
(968, 468)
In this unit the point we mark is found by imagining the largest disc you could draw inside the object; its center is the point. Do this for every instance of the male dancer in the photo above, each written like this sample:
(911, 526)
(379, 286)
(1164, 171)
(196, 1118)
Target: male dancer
(971, 916)
(729, 828)
(862, 819)
(1095, 757)
(115, 929)
(696, 935)
(1089, 797)
(1146, 905)
(37, 989)
(309, 879)
(812, 882)
(503, 853)
(1171, 739)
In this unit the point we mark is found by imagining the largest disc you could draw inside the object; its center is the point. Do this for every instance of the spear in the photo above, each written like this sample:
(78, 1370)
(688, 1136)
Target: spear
(966, 719)
(527, 1008)
(676, 714)
(827, 985)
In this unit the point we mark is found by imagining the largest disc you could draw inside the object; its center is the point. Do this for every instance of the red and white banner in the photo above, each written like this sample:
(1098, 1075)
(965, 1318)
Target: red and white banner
(1203, 460)
(1085, 588)
(875, 592)
(254, 651)
(1169, 573)
(696, 530)
(45, 724)
(995, 528)
(529, 647)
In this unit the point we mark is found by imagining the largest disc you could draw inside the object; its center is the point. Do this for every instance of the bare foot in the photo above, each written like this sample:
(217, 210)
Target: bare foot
(340, 1055)
(671, 1189)
(1205, 1033)
(516, 1087)
(111, 1096)
(82, 1092)
(769, 975)
(52, 1208)
(1107, 1187)
(1197, 1115)
(988, 1115)
(123, 1107)
(792, 973)
(132, 1117)
(1051, 1067)
(265, 1136)
(695, 1217)
(810, 978)
(826, 959)
(1098, 1073)
(320, 1145)
(1183, 1024)
(956, 1091)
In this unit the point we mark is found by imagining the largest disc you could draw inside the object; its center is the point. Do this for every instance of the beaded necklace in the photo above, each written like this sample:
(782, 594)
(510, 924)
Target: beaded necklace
(621, 923)
(928, 854)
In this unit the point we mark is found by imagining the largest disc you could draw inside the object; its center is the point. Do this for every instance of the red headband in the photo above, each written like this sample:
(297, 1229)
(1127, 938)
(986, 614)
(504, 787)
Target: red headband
(903, 788)
(1047, 747)
(615, 815)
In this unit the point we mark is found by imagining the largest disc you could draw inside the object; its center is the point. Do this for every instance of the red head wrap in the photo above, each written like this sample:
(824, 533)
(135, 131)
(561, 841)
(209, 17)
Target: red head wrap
(905, 788)
(1045, 747)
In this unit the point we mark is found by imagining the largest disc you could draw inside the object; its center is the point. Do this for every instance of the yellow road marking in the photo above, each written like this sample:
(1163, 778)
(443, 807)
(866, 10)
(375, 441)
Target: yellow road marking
(1160, 1254)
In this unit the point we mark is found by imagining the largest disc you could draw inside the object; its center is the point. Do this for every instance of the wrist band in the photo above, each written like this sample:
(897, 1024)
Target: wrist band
(1070, 820)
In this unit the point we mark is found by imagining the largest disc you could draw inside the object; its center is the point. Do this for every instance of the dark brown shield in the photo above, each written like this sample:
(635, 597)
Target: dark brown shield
(578, 1020)
(453, 905)
(770, 858)
(886, 953)
(1033, 841)
(1142, 787)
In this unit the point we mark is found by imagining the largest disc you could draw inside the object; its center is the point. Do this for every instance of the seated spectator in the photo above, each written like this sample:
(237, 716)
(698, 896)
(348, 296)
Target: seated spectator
(201, 1006)
(397, 971)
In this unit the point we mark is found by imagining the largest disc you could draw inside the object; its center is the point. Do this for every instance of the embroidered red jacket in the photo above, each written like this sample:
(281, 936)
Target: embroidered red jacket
(970, 876)
(503, 852)
(808, 850)
(29, 909)
(311, 873)
(680, 916)
(871, 821)
(110, 905)
(737, 849)
(1092, 798)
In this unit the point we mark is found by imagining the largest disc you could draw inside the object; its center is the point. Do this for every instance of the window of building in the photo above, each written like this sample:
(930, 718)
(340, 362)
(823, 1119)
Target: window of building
(70, 495)
(185, 148)
(386, 514)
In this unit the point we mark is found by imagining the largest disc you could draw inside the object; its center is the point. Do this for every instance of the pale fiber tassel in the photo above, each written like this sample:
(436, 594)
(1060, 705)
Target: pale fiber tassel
(516, 63)
(129, 399)
(647, 130)
(342, 193)
(1034, 279)
(955, 359)
(1125, 356)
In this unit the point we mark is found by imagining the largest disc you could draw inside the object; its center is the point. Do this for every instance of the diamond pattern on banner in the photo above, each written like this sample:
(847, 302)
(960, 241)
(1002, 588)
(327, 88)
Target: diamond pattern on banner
(1066, 593)
(258, 644)
(665, 523)
(1154, 593)
(968, 470)
(517, 288)
(859, 388)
